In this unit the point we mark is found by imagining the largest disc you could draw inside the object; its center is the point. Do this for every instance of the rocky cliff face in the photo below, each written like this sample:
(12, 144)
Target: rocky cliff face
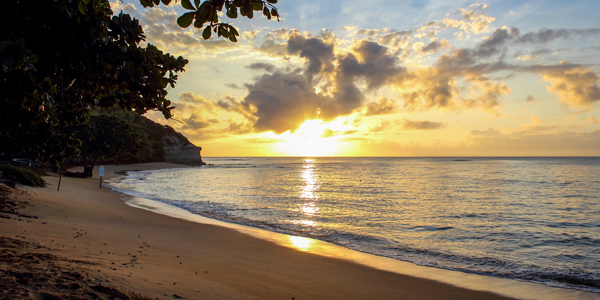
(181, 152)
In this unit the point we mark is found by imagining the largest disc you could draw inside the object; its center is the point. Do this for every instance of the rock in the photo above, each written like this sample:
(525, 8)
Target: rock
(181, 152)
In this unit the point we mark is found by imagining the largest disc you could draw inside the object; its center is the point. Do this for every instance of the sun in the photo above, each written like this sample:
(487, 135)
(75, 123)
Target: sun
(312, 138)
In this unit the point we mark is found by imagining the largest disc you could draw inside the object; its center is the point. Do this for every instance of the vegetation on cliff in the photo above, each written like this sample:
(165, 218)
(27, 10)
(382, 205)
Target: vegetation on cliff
(117, 136)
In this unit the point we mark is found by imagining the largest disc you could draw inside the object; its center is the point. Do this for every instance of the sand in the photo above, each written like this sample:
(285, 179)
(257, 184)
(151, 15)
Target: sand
(85, 242)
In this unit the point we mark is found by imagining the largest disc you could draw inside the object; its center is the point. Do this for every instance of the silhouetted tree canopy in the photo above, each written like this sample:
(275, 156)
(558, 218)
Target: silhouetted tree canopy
(60, 58)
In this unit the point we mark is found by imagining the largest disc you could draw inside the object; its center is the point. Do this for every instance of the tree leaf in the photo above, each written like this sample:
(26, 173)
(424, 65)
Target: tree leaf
(186, 19)
(206, 33)
(233, 30)
(223, 31)
(272, 1)
(257, 6)
(81, 7)
(232, 13)
(187, 5)
(166, 2)
(267, 13)
(197, 3)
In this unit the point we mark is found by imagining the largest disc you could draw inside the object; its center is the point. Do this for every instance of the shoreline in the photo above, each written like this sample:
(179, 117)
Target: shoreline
(238, 261)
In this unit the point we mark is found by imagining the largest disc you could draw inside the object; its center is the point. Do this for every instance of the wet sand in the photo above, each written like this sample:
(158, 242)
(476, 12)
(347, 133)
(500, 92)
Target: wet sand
(83, 242)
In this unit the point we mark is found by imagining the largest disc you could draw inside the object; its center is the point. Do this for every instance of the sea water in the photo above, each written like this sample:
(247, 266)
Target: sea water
(534, 219)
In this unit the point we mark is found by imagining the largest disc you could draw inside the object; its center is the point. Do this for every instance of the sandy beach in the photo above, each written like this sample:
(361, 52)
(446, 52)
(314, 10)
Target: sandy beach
(83, 242)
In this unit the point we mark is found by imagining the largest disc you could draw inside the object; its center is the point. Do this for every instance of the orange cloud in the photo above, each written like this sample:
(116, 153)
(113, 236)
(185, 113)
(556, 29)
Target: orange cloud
(577, 87)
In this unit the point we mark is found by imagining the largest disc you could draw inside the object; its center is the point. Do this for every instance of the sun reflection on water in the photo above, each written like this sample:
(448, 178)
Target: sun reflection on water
(301, 243)
(309, 208)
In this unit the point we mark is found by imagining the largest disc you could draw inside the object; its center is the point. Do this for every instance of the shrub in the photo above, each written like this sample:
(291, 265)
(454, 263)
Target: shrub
(25, 176)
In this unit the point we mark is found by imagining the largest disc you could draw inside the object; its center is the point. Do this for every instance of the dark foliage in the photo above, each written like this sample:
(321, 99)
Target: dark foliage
(116, 136)
(23, 175)
(62, 57)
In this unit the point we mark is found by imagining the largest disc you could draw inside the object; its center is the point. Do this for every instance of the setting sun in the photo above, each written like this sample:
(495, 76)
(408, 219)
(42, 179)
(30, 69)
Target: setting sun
(313, 138)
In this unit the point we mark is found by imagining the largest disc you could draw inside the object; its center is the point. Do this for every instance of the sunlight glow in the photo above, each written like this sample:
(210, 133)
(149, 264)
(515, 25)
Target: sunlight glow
(313, 138)
(301, 243)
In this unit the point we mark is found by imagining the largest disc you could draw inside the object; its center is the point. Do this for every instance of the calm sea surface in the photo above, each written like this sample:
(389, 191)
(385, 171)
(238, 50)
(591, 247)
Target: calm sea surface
(536, 219)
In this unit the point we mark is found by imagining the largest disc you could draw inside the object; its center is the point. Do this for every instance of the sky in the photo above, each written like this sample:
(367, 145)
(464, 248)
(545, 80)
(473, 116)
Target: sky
(388, 78)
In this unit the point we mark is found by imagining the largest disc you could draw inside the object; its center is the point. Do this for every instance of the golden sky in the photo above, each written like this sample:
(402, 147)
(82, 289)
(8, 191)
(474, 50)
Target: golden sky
(389, 78)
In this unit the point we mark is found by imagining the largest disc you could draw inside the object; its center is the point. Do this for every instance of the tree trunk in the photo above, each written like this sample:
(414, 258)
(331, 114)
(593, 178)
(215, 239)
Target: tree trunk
(88, 170)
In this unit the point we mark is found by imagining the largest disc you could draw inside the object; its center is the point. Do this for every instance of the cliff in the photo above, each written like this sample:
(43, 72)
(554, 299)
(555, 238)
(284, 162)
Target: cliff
(181, 151)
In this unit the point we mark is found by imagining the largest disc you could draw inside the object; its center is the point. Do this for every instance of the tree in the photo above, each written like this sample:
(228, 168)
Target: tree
(60, 58)
(110, 135)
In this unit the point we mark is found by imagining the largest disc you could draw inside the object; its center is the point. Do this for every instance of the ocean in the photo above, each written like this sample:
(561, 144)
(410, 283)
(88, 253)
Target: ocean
(535, 218)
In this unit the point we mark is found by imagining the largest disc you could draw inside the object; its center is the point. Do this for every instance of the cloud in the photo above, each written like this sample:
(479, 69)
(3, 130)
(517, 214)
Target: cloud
(436, 87)
(488, 96)
(593, 120)
(536, 124)
(497, 40)
(337, 78)
(383, 125)
(382, 107)
(371, 32)
(238, 128)
(538, 54)
(545, 35)
(435, 46)
(474, 12)
(281, 34)
(282, 101)
(395, 38)
(271, 47)
(576, 86)
(195, 113)
(262, 66)
(234, 86)
(473, 17)
(194, 123)
(369, 61)
(249, 35)
(189, 97)
(529, 57)
(351, 29)
(317, 51)
(487, 133)
(215, 43)
(420, 125)
(228, 103)
(530, 98)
